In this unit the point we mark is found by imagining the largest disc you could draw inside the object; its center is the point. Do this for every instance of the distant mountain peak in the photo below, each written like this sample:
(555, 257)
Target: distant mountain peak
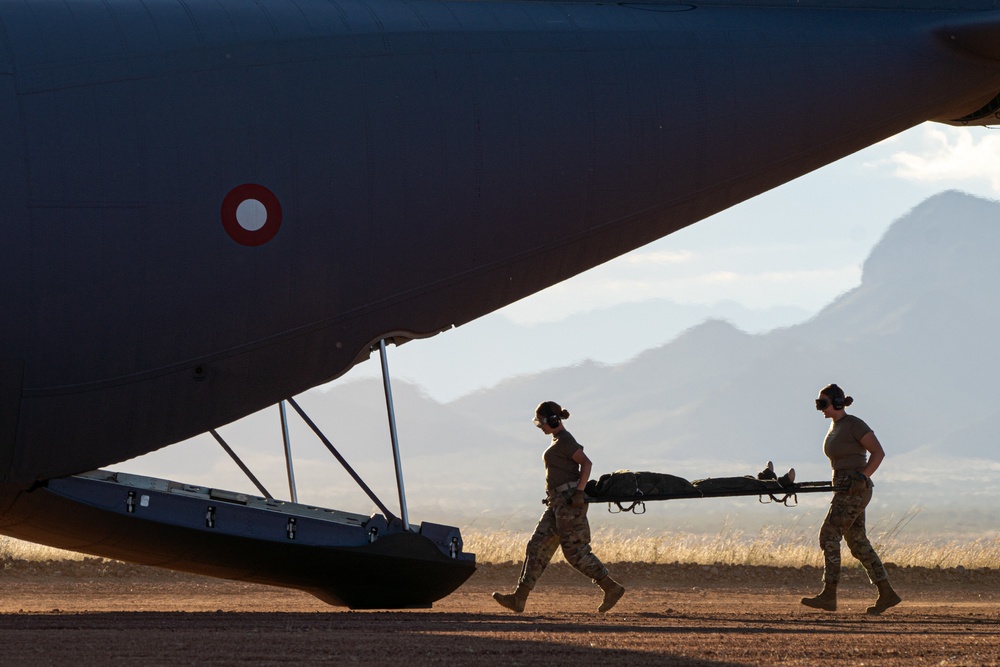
(952, 233)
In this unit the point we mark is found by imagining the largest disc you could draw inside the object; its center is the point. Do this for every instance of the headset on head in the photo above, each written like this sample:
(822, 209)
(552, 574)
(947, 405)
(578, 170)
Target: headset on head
(552, 420)
(838, 402)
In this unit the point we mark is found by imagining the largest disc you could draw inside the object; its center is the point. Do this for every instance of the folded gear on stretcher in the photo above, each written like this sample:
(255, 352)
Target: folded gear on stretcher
(627, 486)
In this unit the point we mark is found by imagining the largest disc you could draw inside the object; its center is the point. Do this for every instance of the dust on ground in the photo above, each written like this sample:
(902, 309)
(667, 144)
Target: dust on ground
(98, 612)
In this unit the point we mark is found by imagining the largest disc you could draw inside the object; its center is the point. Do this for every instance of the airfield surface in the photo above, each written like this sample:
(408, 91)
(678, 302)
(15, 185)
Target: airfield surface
(89, 613)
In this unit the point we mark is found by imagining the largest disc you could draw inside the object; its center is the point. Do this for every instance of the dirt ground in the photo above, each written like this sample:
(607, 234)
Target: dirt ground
(103, 613)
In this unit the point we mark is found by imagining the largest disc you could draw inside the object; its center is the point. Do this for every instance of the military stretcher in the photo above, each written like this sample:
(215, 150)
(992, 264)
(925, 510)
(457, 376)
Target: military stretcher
(629, 490)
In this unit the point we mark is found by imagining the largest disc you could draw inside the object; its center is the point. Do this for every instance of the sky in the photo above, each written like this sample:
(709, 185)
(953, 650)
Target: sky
(799, 245)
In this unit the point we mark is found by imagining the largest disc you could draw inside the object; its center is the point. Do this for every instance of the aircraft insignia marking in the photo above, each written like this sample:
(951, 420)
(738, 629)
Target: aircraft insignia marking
(251, 214)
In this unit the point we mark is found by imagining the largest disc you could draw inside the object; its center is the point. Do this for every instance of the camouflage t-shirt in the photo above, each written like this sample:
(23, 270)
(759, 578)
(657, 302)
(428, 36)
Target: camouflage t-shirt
(560, 468)
(843, 443)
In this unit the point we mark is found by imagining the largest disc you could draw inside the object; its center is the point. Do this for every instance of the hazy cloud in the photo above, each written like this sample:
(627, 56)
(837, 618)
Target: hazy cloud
(807, 288)
(660, 257)
(950, 154)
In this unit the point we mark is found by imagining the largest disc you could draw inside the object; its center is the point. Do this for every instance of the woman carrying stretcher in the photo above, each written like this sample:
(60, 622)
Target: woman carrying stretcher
(564, 522)
(855, 454)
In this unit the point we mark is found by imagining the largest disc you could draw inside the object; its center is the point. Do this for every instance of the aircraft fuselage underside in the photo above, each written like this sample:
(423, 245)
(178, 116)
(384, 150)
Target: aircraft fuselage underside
(344, 559)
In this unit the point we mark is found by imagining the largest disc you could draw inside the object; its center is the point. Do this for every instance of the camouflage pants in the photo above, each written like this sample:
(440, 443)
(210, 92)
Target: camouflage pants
(566, 526)
(846, 519)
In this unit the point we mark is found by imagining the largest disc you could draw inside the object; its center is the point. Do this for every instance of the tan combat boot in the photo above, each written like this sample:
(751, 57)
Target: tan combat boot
(886, 598)
(613, 592)
(827, 600)
(514, 601)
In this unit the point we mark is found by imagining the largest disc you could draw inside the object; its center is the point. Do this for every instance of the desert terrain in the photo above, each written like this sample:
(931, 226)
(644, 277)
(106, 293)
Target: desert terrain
(97, 612)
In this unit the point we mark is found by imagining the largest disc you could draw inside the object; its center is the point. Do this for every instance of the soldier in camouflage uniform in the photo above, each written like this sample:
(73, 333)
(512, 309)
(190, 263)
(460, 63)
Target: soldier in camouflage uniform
(564, 522)
(855, 453)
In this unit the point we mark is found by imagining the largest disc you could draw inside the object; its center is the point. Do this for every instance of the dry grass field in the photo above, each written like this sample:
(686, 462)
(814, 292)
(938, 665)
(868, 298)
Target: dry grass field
(691, 600)
(779, 546)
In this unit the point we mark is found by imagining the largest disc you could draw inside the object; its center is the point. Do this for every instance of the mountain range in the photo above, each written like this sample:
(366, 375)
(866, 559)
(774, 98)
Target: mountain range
(598, 335)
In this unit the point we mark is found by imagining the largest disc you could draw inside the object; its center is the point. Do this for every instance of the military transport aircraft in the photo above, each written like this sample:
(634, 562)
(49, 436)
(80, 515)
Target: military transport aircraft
(210, 206)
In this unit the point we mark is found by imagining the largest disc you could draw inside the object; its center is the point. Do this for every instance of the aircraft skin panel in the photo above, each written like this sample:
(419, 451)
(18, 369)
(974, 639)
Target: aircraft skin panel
(13, 265)
(428, 162)
(979, 38)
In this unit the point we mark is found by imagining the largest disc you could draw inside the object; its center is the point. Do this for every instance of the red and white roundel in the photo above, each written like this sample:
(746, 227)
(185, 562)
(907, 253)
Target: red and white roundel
(251, 214)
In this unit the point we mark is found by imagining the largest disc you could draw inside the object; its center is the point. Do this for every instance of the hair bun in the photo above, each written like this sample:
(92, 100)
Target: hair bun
(848, 400)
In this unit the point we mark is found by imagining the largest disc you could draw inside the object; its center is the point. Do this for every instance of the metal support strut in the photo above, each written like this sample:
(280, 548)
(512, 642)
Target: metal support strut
(288, 452)
(392, 433)
(333, 450)
(243, 467)
(404, 518)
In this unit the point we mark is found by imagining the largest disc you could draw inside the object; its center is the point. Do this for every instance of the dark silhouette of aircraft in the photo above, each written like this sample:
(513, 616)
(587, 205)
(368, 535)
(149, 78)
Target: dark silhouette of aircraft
(209, 207)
